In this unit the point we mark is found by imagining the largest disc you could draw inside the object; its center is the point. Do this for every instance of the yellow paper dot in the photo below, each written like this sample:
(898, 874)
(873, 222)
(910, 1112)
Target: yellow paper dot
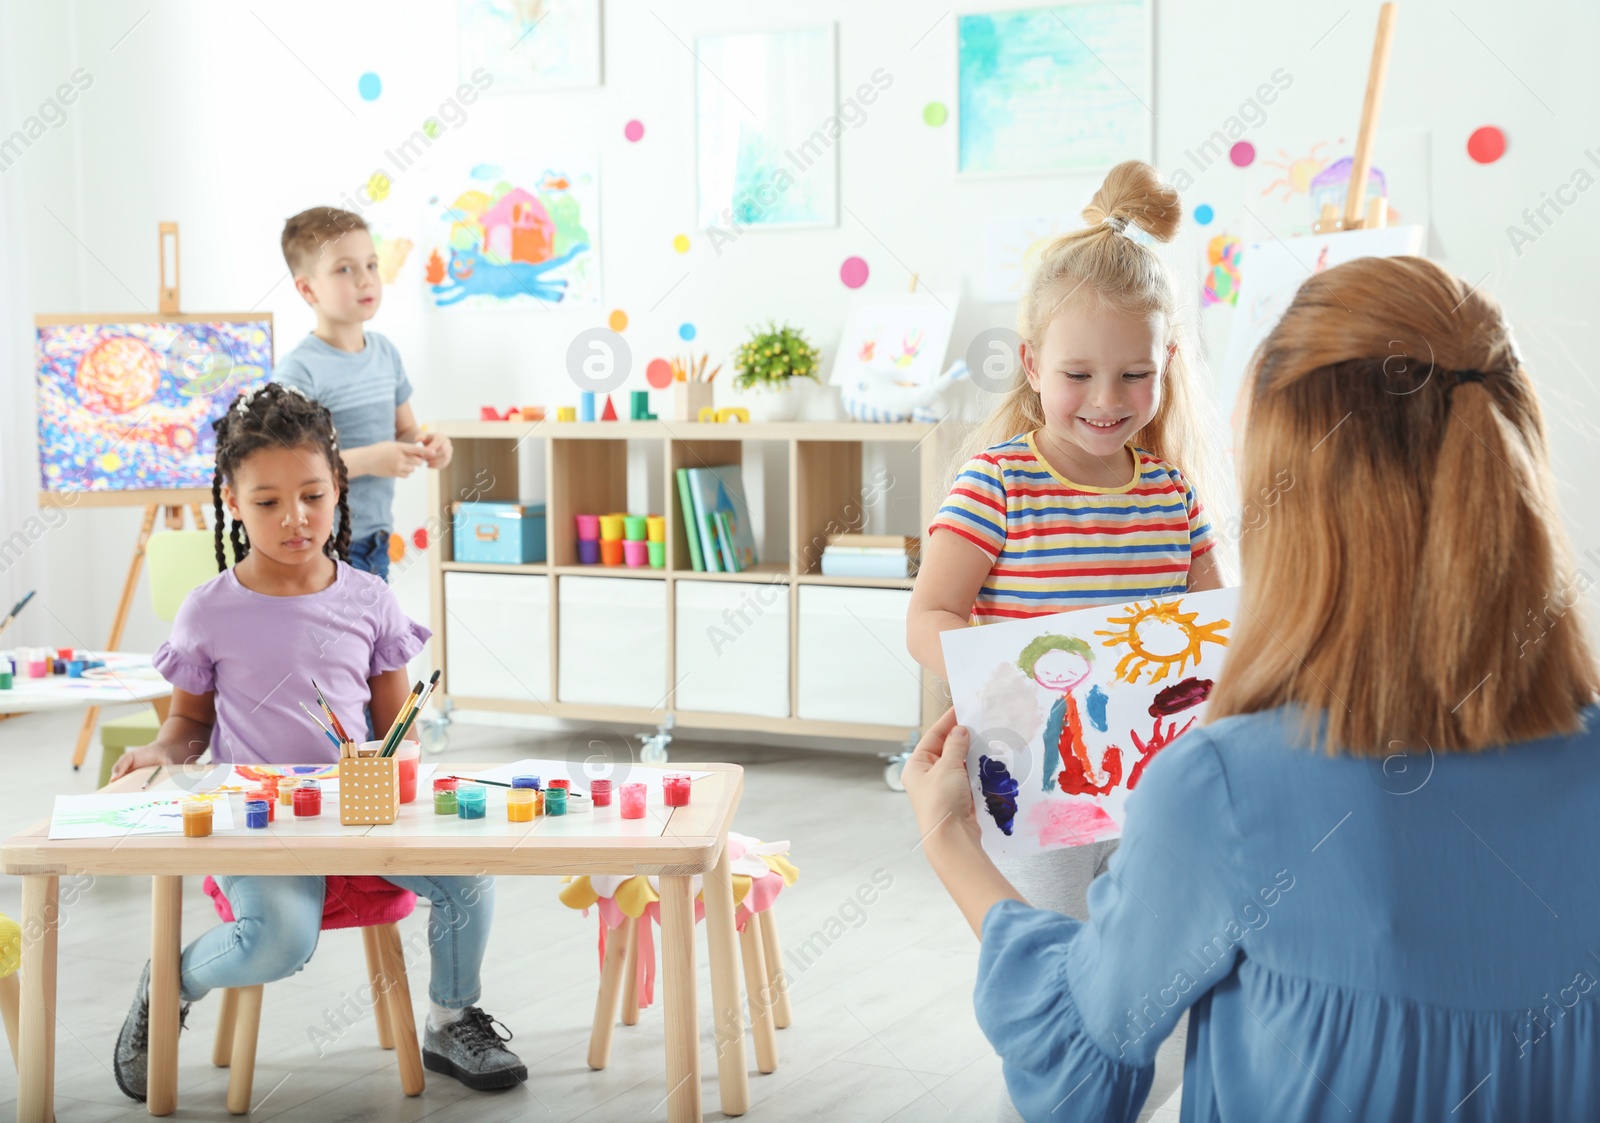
(378, 187)
(681, 243)
(618, 320)
(110, 462)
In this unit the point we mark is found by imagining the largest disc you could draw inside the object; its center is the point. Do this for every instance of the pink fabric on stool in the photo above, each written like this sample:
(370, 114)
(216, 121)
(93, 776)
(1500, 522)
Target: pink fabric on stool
(349, 902)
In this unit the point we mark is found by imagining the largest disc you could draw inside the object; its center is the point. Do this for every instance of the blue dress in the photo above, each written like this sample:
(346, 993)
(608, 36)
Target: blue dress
(1355, 939)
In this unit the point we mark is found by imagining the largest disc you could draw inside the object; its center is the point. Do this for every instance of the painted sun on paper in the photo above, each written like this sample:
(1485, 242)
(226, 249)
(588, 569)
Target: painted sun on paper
(1067, 711)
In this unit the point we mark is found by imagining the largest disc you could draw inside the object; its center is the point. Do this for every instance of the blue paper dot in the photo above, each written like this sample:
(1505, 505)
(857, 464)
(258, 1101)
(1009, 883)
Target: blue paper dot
(1203, 214)
(685, 331)
(370, 86)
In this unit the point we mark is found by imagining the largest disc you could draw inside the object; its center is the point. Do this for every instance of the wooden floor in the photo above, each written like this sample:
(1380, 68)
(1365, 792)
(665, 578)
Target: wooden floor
(883, 1025)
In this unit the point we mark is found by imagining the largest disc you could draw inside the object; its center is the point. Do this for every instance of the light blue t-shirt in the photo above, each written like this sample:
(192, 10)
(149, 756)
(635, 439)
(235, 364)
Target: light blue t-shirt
(1416, 938)
(362, 389)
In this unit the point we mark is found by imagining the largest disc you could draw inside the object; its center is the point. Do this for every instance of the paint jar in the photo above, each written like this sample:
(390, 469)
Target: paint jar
(75, 668)
(64, 654)
(257, 813)
(675, 789)
(519, 804)
(633, 527)
(555, 801)
(578, 803)
(611, 527)
(588, 551)
(285, 794)
(5, 680)
(525, 782)
(588, 527)
(658, 554)
(58, 666)
(561, 783)
(266, 796)
(656, 528)
(472, 801)
(600, 792)
(408, 758)
(38, 666)
(610, 551)
(307, 799)
(197, 818)
(633, 801)
(636, 554)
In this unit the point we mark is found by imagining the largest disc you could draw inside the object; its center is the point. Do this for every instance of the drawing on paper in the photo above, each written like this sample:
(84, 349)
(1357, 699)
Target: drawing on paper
(1067, 711)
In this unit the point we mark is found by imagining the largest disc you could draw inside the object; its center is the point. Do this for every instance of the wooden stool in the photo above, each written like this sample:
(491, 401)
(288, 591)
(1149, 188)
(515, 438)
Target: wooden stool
(239, 1021)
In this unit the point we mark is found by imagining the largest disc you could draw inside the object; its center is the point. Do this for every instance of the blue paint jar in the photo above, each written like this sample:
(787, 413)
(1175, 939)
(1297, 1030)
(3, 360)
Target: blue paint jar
(472, 801)
(75, 668)
(525, 782)
(256, 814)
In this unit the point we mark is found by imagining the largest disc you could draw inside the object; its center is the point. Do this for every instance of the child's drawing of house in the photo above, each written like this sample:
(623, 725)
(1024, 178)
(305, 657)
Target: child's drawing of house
(518, 228)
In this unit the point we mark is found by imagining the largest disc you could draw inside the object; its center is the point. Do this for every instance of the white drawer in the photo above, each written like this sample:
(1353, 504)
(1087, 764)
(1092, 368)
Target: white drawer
(733, 647)
(497, 635)
(853, 660)
(613, 641)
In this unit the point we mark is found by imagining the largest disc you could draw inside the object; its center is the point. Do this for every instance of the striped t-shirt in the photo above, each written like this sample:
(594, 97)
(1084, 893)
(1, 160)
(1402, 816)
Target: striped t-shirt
(1058, 545)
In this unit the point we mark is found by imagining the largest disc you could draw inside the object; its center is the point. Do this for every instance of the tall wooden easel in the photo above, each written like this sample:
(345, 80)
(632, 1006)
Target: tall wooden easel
(1376, 214)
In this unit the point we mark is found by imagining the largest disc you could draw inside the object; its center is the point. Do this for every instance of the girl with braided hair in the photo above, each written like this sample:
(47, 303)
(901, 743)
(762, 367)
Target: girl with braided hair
(243, 651)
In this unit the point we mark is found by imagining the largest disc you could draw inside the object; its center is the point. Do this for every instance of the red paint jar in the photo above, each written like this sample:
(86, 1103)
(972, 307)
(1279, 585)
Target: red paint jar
(307, 799)
(600, 790)
(269, 797)
(675, 790)
(560, 784)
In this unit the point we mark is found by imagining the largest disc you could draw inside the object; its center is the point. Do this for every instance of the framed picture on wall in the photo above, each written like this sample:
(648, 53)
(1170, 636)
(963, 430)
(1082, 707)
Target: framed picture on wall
(530, 45)
(1059, 90)
(767, 129)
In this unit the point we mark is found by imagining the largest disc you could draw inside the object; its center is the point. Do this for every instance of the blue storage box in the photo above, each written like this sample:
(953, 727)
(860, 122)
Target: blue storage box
(499, 533)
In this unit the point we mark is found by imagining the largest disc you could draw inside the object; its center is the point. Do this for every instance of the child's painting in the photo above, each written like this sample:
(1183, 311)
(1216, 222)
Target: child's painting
(1288, 184)
(1219, 283)
(1012, 248)
(1067, 711)
(127, 405)
(500, 238)
(121, 814)
(893, 341)
(529, 45)
(767, 129)
(1051, 90)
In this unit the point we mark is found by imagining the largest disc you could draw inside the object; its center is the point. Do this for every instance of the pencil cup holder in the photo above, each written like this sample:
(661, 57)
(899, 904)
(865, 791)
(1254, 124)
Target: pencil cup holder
(688, 398)
(369, 790)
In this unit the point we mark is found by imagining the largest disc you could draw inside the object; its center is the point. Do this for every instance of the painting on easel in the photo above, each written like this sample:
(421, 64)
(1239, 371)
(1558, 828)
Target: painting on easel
(125, 405)
(1066, 711)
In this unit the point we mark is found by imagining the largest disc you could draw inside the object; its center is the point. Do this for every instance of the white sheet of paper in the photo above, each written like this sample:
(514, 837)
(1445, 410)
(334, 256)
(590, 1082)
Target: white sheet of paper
(118, 814)
(1017, 684)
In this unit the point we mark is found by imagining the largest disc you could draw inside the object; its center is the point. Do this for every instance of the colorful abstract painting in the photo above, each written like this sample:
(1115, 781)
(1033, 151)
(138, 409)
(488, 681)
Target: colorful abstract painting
(1220, 282)
(893, 341)
(1061, 89)
(767, 129)
(1067, 711)
(128, 405)
(528, 45)
(501, 238)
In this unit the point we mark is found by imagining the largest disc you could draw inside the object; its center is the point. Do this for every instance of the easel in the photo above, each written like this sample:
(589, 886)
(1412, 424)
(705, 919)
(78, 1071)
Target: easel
(1377, 210)
(173, 501)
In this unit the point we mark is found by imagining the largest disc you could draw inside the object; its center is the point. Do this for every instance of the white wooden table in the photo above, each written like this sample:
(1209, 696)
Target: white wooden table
(127, 678)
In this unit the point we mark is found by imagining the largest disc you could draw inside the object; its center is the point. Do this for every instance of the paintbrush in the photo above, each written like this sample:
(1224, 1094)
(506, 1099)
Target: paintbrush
(150, 779)
(16, 608)
(333, 718)
(326, 731)
(415, 711)
(476, 780)
(713, 373)
(400, 716)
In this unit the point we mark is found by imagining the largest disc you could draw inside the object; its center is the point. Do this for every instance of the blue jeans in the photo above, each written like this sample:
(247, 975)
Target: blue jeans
(277, 921)
(371, 554)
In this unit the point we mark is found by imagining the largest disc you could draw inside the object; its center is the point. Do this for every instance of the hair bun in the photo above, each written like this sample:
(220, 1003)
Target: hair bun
(1134, 192)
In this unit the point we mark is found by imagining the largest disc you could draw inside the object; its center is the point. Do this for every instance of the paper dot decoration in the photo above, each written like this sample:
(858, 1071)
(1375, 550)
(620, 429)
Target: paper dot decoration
(681, 243)
(658, 373)
(686, 331)
(1242, 154)
(397, 547)
(935, 114)
(1486, 144)
(377, 187)
(634, 130)
(853, 272)
(419, 538)
(618, 320)
(431, 128)
(1203, 214)
(369, 86)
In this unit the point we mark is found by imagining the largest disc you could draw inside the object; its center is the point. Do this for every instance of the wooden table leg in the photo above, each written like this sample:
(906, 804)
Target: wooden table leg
(166, 938)
(733, 1073)
(630, 973)
(682, 1018)
(605, 1003)
(36, 1074)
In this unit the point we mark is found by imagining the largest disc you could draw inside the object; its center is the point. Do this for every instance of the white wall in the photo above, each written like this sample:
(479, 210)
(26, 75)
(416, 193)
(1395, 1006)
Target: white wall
(217, 115)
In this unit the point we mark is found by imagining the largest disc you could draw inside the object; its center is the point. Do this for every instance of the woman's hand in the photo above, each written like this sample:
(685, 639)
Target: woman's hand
(936, 780)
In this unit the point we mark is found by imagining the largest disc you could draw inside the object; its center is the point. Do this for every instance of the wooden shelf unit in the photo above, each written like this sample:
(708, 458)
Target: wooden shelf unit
(586, 472)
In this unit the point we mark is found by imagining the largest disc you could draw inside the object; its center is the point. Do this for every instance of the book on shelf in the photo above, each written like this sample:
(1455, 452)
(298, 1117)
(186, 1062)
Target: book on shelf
(691, 523)
(902, 543)
(723, 516)
(890, 563)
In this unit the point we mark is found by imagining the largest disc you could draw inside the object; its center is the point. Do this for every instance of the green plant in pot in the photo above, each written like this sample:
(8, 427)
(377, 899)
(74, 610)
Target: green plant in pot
(771, 363)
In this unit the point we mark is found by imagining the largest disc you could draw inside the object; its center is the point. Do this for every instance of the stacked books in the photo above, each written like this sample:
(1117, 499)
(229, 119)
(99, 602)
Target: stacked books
(717, 519)
(871, 555)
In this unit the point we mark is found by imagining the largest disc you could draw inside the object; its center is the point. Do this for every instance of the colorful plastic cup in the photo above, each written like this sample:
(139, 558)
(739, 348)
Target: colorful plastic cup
(636, 553)
(633, 527)
(633, 801)
(588, 551)
(656, 528)
(611, 527)
(588, 527)
(610, 551)
(657, 552)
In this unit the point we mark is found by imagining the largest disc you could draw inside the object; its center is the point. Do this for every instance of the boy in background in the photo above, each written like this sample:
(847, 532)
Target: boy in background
(356, 374)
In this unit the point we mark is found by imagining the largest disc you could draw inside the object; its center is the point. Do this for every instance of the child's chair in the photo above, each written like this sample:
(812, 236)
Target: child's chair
(368, 903)
(629, 905)
(178, 561)
(10, 991)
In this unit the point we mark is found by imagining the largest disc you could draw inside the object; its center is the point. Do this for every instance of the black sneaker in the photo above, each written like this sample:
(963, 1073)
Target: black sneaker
(472, 1050)
(130, 1063)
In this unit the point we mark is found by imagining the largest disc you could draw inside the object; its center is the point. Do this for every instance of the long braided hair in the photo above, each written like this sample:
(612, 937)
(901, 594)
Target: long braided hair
(281, 416)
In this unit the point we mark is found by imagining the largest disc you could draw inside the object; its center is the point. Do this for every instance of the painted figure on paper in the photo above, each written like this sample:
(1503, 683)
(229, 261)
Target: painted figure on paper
(1000, 792)
(1060, 663)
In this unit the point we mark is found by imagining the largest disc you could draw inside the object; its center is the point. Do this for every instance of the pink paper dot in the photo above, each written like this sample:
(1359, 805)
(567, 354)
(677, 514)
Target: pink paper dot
(658, 373)
(853, 272)
(1242, 154)
(633, 130)
(1486, 145)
